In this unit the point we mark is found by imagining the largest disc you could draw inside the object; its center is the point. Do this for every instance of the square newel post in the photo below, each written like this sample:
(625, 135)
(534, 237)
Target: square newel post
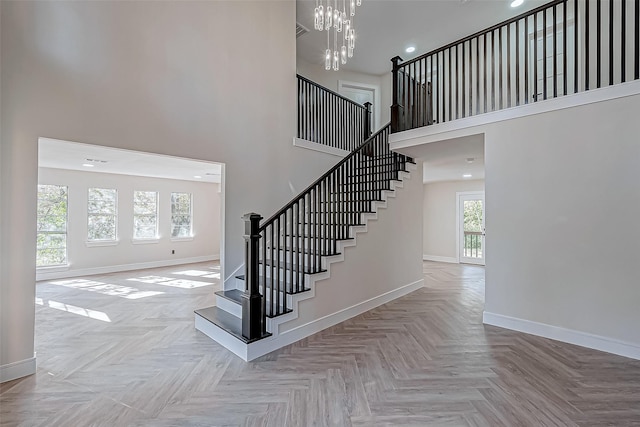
(251, 298)
(367, 120)
(395, 106)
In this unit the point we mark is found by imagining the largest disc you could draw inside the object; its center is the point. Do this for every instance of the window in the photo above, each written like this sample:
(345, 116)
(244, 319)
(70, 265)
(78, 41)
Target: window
(102, 213)
(180, 215)
(52, 226)
(145, 215)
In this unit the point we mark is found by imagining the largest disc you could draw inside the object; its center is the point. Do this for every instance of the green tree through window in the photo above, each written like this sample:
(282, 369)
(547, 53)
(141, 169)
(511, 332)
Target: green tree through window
(51, 243)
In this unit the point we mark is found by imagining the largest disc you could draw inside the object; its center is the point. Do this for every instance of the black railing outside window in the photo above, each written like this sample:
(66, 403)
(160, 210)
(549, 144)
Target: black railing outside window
(328, 118)
(563, 47)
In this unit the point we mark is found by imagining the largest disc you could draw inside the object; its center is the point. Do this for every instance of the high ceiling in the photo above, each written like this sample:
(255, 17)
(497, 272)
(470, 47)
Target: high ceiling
(53, 153)
(386, 27)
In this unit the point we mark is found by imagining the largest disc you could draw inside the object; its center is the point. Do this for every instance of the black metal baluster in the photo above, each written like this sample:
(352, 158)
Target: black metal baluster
(526, 60)
(637, 41)
(535, 57)
(623, 39)
(576, 66)
(500, 68)
(508, 66)
(450, 99)
(555, 54)
(274, 245)
(457, 78)
(464, 78)
(544, 55)
(599, 43)
(276, 303)
(471, 77)
(263, 278)
(486, 65)
(517, 63)
(564, 48)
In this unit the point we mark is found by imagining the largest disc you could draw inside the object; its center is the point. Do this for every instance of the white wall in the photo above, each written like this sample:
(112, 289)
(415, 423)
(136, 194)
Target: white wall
(439, 230)
(563, 204)
(393, 242)
(84, 260)
(329, 79)
(174, 78)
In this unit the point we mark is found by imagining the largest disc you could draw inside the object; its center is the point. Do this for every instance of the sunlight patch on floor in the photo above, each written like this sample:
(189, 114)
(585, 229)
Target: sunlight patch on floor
(106, 288)
(93, 314)
(168, 281)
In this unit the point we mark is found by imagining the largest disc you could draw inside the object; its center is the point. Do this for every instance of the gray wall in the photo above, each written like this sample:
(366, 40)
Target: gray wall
(563, 203)
(205, 80)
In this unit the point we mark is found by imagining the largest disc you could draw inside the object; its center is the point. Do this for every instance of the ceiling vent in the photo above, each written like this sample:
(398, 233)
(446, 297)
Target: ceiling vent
(300, 30)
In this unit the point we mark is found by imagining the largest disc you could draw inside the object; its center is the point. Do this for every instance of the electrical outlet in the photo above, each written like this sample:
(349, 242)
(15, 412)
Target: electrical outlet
(173, 251)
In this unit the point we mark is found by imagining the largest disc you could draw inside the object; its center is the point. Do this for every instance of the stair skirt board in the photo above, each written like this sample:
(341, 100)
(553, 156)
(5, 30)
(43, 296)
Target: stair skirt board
(267, 345)
(278, 340)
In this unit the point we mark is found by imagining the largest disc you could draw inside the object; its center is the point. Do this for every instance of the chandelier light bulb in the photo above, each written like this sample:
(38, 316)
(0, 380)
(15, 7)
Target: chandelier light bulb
(347, 25)
(343, 54)
(329, 18)
(352, 4)
(327, 59)
(320, 18)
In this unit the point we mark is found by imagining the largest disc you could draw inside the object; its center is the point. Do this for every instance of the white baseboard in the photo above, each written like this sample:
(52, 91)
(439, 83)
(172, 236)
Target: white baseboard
(267, 345)
(19, 369)
(310, 145)
(437, 258)
(49, 275)
(570, 336)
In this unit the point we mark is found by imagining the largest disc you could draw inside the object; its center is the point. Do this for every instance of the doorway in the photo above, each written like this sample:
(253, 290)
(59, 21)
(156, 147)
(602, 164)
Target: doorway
(470, 214)
(361, 93)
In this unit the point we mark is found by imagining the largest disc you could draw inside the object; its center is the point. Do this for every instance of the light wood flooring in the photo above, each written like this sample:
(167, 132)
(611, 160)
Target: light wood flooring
(121, 350)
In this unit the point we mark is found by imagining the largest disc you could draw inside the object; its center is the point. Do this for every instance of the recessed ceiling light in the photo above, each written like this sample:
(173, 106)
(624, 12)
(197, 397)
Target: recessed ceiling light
(516, 3)
(467, 175)
(410, 49)
(197, 176)
(87, 165)
(470, 159)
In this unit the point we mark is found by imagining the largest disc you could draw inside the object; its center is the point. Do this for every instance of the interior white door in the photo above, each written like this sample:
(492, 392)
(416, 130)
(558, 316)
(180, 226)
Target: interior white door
(471, 228)
(361, 93)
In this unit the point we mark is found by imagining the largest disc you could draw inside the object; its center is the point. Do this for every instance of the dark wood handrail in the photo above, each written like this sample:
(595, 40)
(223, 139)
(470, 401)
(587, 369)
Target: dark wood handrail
(293, 201)
(334, 93)
(485, 31)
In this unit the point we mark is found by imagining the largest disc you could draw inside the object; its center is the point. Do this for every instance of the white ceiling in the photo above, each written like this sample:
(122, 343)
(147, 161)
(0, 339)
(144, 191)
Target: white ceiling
(384, 28)
(53, 153)
(447, 160)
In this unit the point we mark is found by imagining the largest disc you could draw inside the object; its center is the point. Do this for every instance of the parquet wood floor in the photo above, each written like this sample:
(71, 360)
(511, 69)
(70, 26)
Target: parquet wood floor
(121, 350)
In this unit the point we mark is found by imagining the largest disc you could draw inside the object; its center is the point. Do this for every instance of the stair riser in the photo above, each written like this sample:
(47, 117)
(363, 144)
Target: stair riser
(229, 306)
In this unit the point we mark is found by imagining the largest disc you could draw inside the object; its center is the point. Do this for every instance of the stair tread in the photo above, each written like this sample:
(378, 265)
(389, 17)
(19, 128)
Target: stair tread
(227, 322)
(312, 236)
(234, 295)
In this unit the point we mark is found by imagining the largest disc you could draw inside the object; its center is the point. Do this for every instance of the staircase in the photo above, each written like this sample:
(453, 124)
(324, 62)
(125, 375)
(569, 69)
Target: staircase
(289, 253)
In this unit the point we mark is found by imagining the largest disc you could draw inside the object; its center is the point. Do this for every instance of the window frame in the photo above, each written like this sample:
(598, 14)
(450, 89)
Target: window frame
(109, 241)
(189, 236)
(155, 215)
(65, 263)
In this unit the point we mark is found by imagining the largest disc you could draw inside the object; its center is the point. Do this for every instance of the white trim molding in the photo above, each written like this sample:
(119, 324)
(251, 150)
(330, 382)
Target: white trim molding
(310, 145)
(267, 345)
(437, 258)
(468, 126)
(571, 336)
(19, 369)
(46, 275)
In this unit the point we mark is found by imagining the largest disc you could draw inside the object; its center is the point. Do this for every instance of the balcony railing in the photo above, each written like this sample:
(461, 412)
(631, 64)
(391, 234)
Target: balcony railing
(561, 48)
(473, 244)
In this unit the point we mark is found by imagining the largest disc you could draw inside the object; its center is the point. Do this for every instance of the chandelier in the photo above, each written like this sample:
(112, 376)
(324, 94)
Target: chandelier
(328, 17)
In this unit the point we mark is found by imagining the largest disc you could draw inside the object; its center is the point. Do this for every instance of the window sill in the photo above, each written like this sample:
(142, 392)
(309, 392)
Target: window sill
(98, 243)
(145, 241)
(182, 239)
(53, 268)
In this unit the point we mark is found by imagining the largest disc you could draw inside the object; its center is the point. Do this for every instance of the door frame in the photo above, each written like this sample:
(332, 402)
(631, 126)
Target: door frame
(368, 88)
(460, 222)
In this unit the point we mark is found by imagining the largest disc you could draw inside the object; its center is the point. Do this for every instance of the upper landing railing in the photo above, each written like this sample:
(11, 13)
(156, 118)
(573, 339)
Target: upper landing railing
(328, 118)
(563, 47)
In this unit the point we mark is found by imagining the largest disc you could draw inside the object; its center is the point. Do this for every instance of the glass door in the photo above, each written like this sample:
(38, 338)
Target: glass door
(471, 226)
